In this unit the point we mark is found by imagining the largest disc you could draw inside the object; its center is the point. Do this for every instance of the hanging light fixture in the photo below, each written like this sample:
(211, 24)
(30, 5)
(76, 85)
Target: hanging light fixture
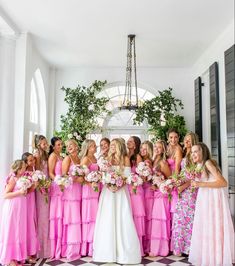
(130, 101)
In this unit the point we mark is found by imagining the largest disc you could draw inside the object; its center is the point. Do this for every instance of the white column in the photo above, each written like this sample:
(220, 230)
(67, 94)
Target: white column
(7, 84)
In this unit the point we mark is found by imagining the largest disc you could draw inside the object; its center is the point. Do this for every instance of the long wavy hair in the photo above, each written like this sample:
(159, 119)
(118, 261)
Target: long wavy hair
(17, 165)
(133, 157)
(194, 141)
(85, 147)
(118, 156)
(164, 147)
(36, 146)
(206, 155)
(149, 146)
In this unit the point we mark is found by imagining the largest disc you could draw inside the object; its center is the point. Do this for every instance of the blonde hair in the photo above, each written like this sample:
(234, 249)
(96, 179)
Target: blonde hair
(149, 145)
(17, 165)
(85, 147)
(164, 147)
(119, 155)
(73, 141)
(194, 141)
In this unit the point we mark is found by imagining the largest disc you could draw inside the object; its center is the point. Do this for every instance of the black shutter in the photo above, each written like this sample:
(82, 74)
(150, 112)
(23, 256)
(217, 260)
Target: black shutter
(198, 106)
(215, 113)
(229, 61)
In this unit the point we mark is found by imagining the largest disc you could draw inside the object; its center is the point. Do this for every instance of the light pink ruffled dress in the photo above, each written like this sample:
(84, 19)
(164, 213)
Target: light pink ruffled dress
(13, 229)
(90, 200)
(138, 210)
(42, 209)
(212, 241)
(56, 215)
(161, 225)
(72, 235)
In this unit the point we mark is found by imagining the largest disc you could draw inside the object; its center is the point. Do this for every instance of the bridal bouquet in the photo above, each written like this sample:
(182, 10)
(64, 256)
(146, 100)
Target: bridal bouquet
(24, 182)
(104, 165)
(44, 183)
(193, 172)
(134, 180)
(94, 178)
(79, 170)
(144, 170)
(166, 187)
(63, 181)
(157, 179)
(178, 179)
(113, 179)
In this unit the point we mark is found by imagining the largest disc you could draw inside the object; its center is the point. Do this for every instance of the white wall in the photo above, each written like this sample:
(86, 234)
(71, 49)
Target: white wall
(215, 53)
(152, 79)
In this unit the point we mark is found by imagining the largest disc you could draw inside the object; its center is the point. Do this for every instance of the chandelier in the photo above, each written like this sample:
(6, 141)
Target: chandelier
(130, 101)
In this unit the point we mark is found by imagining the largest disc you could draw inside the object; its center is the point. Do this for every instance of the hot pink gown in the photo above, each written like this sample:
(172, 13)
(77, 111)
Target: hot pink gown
(161, 225)
(56, 215)
(174, 193)
(212, 241)
(13, 229)
(72, 235)
(42, 209)
(32, 237)
(138, 210)
(148, 200)
(90, 200)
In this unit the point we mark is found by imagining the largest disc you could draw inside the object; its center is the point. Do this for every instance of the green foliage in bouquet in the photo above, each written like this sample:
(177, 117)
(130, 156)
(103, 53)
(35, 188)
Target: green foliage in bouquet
(83, 110)
(161, 114)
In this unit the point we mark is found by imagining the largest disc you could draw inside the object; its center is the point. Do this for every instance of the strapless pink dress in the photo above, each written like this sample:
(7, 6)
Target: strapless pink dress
(138, 210)
(90, 200)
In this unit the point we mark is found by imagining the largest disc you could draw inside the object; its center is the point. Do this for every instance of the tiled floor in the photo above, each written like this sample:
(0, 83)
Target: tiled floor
(87, 261)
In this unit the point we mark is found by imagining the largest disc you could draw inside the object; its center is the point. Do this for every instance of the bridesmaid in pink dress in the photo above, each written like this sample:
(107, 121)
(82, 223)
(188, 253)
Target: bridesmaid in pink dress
(90, 198)
(13, 227)
(174, 158)
(40, 146)
(146, 152)
(161, 218)
(137, 199)
(56, 206)
(212, 241)
(72, 235)
(32, 237)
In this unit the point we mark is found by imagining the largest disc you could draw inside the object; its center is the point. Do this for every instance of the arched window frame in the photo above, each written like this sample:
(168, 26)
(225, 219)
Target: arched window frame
(38, 126)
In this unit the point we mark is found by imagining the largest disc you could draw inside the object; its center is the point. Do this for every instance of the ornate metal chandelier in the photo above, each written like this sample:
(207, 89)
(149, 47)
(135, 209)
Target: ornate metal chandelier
(130, 101)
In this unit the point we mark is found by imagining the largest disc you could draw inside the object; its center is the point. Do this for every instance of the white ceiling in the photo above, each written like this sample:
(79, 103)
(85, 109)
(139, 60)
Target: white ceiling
(169, 33)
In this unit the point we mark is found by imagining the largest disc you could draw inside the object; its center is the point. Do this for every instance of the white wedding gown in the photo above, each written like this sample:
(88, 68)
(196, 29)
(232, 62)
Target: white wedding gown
(115, 236)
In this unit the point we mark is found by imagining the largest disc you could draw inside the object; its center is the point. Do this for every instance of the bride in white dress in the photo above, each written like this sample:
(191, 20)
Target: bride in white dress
(115, 237)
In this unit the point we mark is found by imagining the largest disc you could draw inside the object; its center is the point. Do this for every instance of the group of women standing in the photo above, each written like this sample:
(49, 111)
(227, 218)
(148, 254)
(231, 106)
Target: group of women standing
(118, 225)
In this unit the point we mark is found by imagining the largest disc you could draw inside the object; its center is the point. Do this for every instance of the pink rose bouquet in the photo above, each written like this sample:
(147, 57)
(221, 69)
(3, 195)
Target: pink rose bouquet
(134, 180)
(94, 178)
